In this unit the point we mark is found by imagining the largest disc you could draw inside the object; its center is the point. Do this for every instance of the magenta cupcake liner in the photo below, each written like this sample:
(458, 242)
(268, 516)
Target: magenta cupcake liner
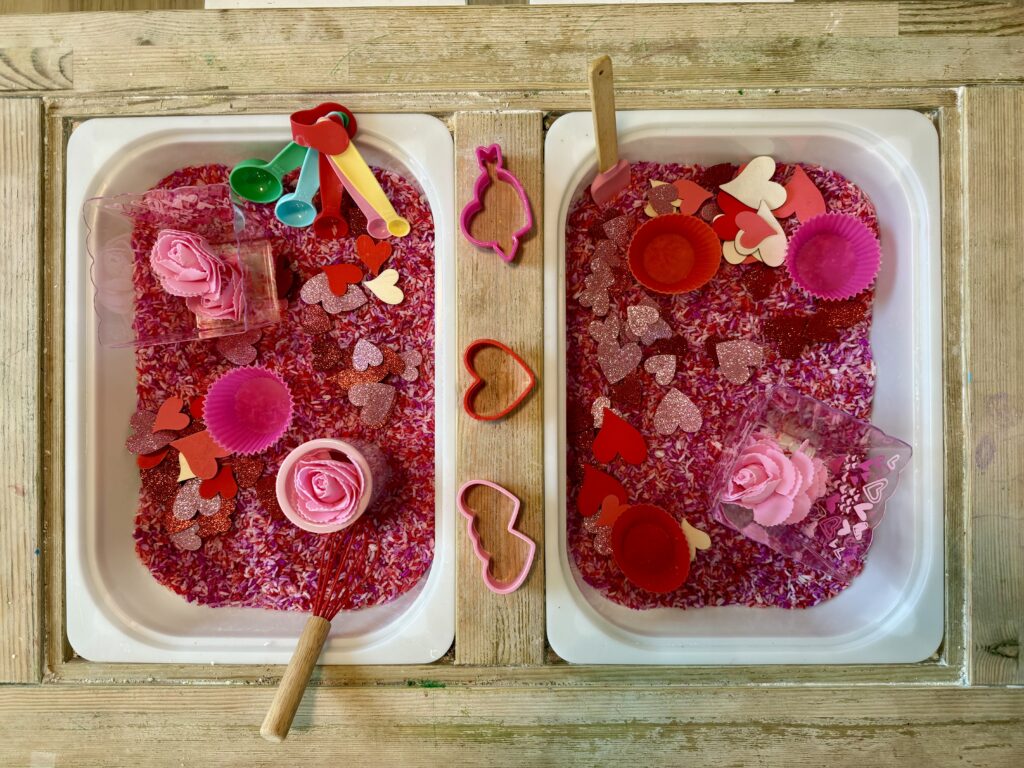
(833, 256)
(248, 409)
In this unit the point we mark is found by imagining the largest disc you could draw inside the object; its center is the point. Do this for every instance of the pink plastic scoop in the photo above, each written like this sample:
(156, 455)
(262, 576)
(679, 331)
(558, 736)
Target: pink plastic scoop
(613, 173)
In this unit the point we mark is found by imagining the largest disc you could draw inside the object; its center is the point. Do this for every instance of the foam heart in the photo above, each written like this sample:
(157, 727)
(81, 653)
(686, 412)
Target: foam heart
(619, 437)
(753, 185)
(366, 355)
(150, 460)
(662, 368)
(385, 287)
(143, 439)
(187, 539)
(736, 358)
(597, 486)
(691, 196)
(201, 453)
(733, 256)
(618, 362)
(752, 230)
(341, 276)
(477, 382)
(372, 253)
(239, 349)
(376, 401)
(803, 198)
(195, 406)
(222, 484)
(611, 510)
(170, 416)
(676, 411)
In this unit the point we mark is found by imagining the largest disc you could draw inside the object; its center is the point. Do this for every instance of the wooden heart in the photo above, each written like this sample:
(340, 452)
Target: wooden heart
(385, 287)
(753, 185)
(477, 383)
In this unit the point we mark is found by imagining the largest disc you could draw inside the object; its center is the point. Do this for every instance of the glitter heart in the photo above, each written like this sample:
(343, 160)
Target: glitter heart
(691, 196)
(662, 368)
(753, 184)
(736, 358)
(341, 276)
(803, 198)
(759, 281)
(605, 331)
(618, 437)
(676, 411)
(619, 230)
(161, 482)
(315, 319)
(638, 317)
(326, 354)
(239, 349)
(598, 408)
(143, 438)
(412, 360)
(385, 287)
(365, 355)
(595, 292)
(219, 523)
(597, 486)
(222, 484)
(662, 198)
(605, 253)
(187, 539)
(629, 392)
(247, 471)
(189, 502)
(201, 452)
(618, 362)
(376, 400)
(170, 416)
(318, 291)
(372, 253)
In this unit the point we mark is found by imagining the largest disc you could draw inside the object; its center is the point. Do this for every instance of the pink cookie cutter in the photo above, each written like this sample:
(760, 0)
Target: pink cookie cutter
(498, 587)
(485, 155)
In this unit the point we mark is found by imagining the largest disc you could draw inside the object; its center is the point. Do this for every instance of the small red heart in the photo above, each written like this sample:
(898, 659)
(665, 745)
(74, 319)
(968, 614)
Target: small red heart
(341, 276)
(150, 460)
(170, 416)
(477, 383)
(611, 509)
(725, 226)
(195, 406)
(201, 453)
(223, 483)
(803, 198)
(597, 486)
(691, 196)
(372, 253)
(752, 229)
(618, 436)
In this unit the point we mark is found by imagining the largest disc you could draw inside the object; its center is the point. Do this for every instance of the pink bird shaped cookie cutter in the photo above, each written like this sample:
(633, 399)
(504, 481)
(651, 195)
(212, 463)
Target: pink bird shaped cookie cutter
(484, 157)
(498, 587)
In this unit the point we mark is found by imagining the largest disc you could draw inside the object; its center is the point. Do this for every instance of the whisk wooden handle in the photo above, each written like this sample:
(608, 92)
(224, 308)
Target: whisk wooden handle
(289, 693)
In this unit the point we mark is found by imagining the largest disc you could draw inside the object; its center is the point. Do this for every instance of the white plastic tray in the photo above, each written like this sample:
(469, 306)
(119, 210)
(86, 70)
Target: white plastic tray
(116, 611)
(893, 611)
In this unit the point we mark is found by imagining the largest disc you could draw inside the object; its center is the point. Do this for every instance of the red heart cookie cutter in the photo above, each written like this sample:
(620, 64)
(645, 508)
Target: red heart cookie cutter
(469, 399)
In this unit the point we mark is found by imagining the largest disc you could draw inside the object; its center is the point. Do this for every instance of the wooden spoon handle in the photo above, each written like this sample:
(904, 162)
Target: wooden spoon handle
(296, 678)
(602, 104)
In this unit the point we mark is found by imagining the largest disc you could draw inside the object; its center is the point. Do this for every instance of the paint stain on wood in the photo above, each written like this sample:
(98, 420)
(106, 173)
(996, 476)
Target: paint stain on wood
(984, 452)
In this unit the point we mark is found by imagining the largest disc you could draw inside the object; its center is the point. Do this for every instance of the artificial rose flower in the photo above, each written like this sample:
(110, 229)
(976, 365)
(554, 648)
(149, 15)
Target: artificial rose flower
(185, 264)
(778, 488)
(227, 304)
(326, 490)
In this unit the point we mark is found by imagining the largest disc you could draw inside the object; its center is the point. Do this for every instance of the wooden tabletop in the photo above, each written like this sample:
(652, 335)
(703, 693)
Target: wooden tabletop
(501, 74)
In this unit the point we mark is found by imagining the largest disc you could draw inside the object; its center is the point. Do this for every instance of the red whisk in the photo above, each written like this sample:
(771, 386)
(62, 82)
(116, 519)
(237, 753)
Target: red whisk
(334, 583)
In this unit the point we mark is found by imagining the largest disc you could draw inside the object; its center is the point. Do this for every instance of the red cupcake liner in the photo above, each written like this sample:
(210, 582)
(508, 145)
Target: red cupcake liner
(674, 253)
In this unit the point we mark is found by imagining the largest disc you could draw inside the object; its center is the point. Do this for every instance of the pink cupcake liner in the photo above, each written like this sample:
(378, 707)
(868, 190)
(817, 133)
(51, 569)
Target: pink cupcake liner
(833, 256)
(248, 409)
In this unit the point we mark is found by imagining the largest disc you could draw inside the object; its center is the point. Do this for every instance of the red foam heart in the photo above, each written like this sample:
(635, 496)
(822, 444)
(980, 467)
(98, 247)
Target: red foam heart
(201, 453)
(752, 229)
(618, 436)
(725, 226)
(803, 198)
(691, 196)
(170, 416)
(223, 483)
(341, 276)
(477, 384)
(611, 510)
(597, 486)
(730, 205)
(150, 460)
(372, 253)
(195, 406)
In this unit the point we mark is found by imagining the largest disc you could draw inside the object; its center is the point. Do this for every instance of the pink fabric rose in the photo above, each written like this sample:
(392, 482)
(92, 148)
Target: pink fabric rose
(227, 303)
(185, 264)
(326, 490)
(778, 488)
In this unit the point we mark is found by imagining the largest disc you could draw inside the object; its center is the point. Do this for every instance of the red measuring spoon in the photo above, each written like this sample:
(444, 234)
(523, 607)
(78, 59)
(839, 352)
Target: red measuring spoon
(329, 224)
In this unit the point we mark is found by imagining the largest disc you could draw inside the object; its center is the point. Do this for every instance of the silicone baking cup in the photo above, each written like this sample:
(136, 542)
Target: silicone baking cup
(833, 256)
(247, 410)
(674, 253)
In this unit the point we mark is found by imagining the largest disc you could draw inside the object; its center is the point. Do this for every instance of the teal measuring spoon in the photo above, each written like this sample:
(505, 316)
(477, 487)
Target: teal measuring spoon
(260, 181)
(296, 209)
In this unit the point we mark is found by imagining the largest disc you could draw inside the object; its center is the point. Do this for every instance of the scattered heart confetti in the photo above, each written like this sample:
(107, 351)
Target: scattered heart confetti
(170, 416)
(753, 185)
(598, 408)
(266, 493)
(803, 198)
(195, 406)
(222, 484)
(150, 460)
(317, 291)
(240, 349)
(611, 509)
(629, 392)
(187, 539)
(372, 253)
(759, 281)
(218, 523)
(143, 438)
(376, 400)
(619, 230)
(617, 362)
(188, 503)
(662, 368)
(695, 538)
(691, 196)
(736, 358)
(326, 354)
(365, 355)
(385, 287)
(247, 471)
(201, 452)
(184, 470)
(605, 253)
(596, 487)
(677, 411)
(618, 437)
(341, 276)
(412, 360)
(315, 319)
(662, 198)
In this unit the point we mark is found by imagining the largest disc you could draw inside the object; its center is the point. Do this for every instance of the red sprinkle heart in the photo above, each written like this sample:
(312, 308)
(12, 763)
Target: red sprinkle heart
(619, 437)
(372, 253)
(597, 486)
(341, 276)
(222, 483)
(170, 416)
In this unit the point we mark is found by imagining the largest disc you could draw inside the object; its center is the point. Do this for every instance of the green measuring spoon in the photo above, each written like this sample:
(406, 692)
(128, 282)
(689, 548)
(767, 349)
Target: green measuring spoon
(260, 181)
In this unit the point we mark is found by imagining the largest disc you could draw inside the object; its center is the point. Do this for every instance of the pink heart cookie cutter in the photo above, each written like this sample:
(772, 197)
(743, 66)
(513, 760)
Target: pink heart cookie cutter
(485, 155)
(498, 587)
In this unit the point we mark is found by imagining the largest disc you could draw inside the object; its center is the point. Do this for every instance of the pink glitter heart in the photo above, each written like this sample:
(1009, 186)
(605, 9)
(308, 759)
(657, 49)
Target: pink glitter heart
(676, 411)
(598, 408)
(318, 290)
(605, 253)
(239, 349)
(413, 360)
(617, 363)
(736, 358)
(662, 198)
(376, 400)
(619, 230)
(366, 355)
(188, 502)
(662, 368)
(639, 317)
(143, 438)
(187, 539)
(595, 295)
(605, 331)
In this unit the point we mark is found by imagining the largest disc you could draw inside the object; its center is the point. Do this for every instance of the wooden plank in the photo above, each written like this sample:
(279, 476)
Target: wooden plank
(995, 226)
(20, 177)
(35, 69)
(503, 302)
(974, 18)
(218, 726)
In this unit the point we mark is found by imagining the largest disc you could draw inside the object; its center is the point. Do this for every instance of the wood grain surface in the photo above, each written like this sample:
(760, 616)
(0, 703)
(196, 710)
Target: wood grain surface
(20, 193)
